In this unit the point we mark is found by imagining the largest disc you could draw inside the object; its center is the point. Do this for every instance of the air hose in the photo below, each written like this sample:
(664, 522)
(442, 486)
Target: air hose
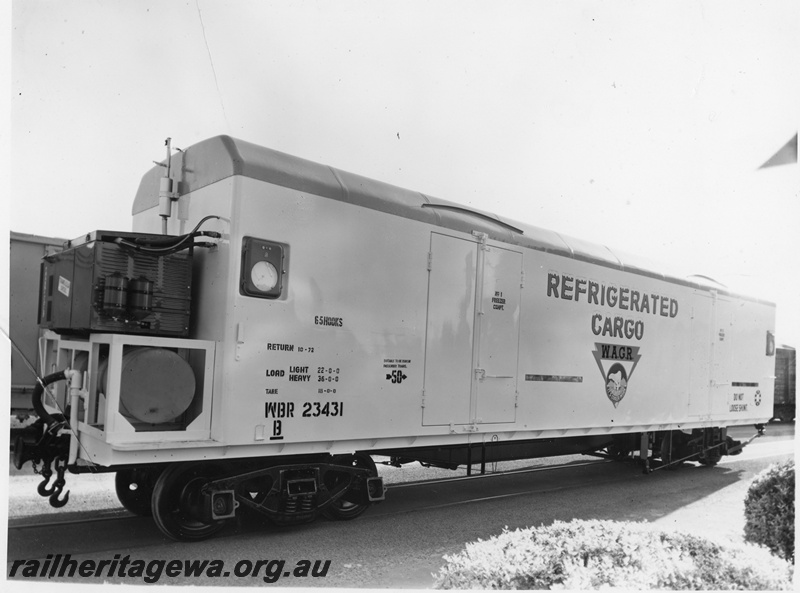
(36, 397)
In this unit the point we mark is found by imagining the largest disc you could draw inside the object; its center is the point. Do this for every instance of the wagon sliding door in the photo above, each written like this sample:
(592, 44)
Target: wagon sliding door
(497, 336)
(472, 337)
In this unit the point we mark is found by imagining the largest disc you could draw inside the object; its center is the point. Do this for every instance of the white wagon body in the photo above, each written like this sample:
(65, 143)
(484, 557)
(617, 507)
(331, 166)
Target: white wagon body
(389, 321)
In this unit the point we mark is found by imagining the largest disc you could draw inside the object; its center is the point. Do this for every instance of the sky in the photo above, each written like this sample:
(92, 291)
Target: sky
(640, 126)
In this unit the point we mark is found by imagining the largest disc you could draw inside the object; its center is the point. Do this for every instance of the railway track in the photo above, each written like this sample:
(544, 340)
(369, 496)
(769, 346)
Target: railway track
(109, 515)
(120, 514)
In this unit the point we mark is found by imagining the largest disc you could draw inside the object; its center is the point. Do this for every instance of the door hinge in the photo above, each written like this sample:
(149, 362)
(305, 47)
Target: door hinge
(430, 260)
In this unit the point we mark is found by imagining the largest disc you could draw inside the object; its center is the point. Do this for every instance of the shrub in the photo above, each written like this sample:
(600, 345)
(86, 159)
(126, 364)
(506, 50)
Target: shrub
(594, 554)
(769, 510)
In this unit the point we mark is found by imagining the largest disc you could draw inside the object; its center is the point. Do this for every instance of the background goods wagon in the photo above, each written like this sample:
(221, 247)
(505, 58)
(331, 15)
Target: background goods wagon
(26, 253)
(785, 383)
(272, 323)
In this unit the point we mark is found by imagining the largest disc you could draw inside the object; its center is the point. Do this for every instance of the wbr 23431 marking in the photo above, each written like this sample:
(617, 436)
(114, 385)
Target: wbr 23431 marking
(310, 409)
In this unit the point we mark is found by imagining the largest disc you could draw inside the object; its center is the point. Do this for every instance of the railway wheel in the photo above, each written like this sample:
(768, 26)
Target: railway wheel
(343, 510)
(711, 457)
(177, 501)
(134, 488)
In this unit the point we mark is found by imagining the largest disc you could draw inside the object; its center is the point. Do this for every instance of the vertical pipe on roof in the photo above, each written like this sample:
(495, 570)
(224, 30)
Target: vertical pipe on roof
(165, 192)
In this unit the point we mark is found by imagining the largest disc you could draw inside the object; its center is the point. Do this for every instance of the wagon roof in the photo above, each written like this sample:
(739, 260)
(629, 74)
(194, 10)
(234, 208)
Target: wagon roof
(220, 157)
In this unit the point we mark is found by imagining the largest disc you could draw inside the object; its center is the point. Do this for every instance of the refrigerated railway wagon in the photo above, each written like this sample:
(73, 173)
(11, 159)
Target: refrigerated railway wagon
(271, 324)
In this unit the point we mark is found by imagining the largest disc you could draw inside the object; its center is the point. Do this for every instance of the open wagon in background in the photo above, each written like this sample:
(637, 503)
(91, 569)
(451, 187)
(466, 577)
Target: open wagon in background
(25, 259)
(785, 384)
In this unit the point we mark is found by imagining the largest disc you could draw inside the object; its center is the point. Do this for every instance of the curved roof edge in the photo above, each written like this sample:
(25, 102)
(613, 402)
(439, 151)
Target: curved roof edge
(220, 157)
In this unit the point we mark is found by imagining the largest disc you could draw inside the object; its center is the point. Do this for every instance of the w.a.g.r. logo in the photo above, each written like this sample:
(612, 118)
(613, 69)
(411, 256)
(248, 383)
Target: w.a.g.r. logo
(616, 383)
(616, 363)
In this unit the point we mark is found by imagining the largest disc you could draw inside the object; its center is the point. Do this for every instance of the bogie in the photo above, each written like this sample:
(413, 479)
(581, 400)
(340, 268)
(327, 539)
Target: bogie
(192, 501)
